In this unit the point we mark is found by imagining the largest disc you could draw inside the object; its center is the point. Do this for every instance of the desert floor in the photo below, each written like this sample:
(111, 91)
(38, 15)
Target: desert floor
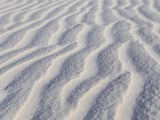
(79, 59)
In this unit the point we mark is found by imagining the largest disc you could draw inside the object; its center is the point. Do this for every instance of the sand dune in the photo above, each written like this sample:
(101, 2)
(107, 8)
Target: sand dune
(79, 60)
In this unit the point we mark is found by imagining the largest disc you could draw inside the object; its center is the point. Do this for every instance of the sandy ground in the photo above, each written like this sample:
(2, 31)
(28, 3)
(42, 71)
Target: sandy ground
(79, 59)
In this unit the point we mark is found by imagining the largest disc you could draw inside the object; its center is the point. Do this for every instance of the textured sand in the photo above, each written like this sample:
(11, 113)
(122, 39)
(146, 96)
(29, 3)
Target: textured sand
(79, 59)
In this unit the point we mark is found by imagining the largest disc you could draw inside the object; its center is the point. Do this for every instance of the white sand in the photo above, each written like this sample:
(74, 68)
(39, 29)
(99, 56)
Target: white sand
(79, 60)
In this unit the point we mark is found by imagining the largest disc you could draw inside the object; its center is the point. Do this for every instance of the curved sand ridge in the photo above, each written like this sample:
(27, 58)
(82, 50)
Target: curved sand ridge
(79, 60)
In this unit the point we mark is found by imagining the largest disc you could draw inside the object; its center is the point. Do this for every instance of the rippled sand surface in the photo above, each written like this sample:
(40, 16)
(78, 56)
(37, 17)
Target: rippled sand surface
(79, 59)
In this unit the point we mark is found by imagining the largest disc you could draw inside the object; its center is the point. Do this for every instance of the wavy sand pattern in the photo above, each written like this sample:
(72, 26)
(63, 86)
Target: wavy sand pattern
(79, 60)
